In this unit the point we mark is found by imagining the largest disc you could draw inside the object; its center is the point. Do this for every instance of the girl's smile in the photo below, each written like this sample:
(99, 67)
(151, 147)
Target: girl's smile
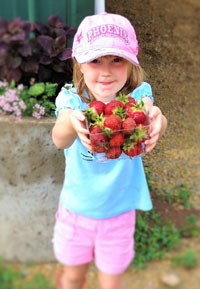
(105, 76)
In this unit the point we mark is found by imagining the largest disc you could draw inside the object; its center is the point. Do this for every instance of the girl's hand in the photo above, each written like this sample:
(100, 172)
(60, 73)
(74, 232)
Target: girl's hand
(158, 126)
(78, 122)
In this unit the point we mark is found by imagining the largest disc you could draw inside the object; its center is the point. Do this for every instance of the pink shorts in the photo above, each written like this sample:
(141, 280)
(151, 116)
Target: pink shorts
(109, 242)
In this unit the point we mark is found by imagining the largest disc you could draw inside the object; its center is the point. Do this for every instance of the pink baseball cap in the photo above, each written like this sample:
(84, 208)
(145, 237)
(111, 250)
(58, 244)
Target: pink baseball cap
(105, 34)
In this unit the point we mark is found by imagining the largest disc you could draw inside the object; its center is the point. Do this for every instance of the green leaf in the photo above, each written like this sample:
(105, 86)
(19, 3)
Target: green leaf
(50, 89)
(37, 89)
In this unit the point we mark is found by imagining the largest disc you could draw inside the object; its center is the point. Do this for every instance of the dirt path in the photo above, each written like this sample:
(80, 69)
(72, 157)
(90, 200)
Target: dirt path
(150, 278)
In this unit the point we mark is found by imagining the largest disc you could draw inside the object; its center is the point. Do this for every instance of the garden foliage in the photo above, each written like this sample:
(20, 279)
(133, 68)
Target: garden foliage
(33, 50)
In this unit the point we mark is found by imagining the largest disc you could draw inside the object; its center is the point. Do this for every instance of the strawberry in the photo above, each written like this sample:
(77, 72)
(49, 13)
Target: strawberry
(114, 107)
(116, 140)
(95, 109)
(139, 117)
(131, 100)
(114, 153)
(97, 138)
(129, 125)
(140, 134)
(136, 111)
(112, 122)
(94, 129)
(97, 106)
(99, 149)
(132, 149)
(125, 98)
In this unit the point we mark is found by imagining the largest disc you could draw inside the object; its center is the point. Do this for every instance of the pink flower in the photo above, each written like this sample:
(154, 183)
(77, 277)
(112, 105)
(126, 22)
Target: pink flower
(8, 107)
(38, 111)
(20, 86)
(2, 101)
(22, 105)
(36, 115)
(42, 110)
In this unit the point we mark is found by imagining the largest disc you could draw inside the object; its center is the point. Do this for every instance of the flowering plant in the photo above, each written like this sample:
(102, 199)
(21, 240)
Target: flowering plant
(36, 100)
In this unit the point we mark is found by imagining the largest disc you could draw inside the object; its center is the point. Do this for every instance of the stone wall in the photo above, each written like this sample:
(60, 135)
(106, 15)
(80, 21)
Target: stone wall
(31, 176)
(168, 34)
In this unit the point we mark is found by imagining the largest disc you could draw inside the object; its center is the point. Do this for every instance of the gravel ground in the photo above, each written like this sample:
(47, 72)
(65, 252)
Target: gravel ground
(151, 278)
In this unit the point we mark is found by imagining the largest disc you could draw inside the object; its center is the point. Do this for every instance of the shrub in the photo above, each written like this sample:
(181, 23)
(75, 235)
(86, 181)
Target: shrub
(32, 50)
(188, 259)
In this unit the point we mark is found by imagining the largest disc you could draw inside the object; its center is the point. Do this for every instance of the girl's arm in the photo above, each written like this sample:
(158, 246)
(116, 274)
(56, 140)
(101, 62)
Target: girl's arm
(69, 125)
(158, 123)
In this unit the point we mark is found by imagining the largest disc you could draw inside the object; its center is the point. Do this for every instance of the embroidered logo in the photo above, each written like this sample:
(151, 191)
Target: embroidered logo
(79, 37)
(107, 30)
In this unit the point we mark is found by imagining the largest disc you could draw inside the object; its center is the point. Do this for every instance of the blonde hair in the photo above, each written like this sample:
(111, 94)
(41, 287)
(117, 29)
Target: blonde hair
(136, 76)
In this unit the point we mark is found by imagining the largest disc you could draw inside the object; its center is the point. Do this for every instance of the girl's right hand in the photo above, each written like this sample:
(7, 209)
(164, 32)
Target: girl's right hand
(78, 122)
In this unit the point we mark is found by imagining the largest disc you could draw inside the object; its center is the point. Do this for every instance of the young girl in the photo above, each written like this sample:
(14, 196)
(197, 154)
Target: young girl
(96, 214)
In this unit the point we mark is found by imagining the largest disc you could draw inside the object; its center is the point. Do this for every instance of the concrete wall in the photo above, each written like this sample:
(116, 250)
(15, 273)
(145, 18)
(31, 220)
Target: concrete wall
(31, 176)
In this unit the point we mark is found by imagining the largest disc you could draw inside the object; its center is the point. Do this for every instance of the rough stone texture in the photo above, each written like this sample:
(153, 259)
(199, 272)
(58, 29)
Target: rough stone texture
(169, 38)
(31, 176)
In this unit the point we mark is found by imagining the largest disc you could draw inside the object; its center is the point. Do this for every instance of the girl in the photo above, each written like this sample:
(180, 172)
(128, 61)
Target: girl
(96, 214)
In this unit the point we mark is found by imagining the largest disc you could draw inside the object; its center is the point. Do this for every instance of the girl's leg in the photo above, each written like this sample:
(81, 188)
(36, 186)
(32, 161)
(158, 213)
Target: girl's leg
(73, 277)
(108, 281)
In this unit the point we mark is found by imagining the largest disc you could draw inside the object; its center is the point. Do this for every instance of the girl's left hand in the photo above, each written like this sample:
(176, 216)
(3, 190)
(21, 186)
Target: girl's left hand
(158, 126)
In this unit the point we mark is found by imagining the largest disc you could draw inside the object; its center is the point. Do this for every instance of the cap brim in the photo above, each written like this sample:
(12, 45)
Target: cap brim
(88, 56)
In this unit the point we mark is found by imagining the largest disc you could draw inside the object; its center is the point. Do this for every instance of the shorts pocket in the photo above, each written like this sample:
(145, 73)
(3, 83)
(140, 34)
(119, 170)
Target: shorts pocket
(127, 219)
(65, 224)
(64, 231)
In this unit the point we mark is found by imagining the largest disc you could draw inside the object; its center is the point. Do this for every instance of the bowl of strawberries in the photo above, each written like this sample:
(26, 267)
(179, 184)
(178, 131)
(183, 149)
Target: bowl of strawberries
(118, 129)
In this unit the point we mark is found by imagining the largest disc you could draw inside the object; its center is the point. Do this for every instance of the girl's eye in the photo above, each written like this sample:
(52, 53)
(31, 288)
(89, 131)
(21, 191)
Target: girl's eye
(95, 61)
(117, 59)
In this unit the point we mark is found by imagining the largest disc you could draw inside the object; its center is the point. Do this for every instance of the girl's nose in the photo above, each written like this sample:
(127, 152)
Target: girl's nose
(105, 69)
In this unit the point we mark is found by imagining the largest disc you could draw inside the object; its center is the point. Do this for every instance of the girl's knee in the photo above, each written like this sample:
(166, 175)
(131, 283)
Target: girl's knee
(75, 274)
(72, 277)
(110, 281)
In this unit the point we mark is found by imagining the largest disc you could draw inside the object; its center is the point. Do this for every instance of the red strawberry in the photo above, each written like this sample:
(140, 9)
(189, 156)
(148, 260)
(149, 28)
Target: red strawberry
(114, 153)
(114, 107)
(131, 100)
(97, 138)
(132, 149)
(95, 109)
(97, 106)
(139, 117)
(116, 140)
(125, 98)
(129, 125)
(117, 117)
(136, 111)
(99, 149)
(95, 129)
(129, 109)
(140, 134)
(112, 122)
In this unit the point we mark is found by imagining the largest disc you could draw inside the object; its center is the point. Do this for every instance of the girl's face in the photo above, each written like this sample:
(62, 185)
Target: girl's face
(105, 76)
